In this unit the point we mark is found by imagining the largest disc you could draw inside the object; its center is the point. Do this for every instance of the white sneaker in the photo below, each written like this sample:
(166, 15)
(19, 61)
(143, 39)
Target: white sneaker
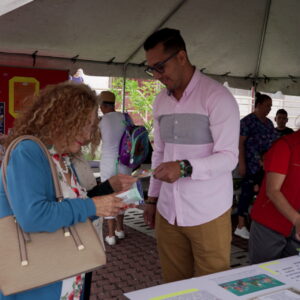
(242, 232)
(120, 234)
(110, 240)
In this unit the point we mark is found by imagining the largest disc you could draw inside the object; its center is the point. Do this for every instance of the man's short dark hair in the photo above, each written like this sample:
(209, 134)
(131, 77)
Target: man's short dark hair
(281, 111)
(170, 38)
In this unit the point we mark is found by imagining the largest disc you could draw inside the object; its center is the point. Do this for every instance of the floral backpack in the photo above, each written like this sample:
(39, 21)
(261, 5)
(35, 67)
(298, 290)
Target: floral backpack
(134, 144)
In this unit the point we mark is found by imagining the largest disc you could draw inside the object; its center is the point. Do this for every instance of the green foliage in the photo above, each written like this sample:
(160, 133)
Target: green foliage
(87, 154)
(141, 94)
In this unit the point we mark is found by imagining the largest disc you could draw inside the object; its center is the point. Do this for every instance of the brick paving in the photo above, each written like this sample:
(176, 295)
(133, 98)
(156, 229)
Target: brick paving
(133, 264)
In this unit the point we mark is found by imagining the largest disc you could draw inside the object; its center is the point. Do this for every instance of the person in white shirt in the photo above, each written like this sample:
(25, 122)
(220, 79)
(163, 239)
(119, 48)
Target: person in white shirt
(112, 127)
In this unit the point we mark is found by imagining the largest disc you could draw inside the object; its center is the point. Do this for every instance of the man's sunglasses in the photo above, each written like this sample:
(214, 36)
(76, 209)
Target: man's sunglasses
(159, 67)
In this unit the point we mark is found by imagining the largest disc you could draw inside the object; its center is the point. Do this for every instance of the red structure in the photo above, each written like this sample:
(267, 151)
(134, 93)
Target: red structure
(18, 83)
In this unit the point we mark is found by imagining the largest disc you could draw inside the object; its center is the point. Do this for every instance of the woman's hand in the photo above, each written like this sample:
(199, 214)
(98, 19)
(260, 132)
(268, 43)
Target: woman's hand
(121, 182)
(109, 205)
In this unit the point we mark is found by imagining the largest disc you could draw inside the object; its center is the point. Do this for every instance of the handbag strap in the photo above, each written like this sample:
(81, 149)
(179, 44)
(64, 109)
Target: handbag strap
(24, 237)
(12, 146)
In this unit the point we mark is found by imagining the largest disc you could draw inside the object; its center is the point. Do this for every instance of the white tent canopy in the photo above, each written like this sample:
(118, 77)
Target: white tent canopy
(238, 41)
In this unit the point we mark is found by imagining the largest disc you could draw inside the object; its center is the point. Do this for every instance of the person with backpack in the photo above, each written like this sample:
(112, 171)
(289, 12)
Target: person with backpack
(112, 127)
(275, 227)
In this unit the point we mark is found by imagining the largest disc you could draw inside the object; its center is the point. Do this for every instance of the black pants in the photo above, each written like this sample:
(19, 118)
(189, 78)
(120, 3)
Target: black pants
(87, 286)
(247, 195)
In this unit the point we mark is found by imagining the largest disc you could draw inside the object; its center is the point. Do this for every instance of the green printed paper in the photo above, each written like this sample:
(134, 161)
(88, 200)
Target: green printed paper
(251, 284)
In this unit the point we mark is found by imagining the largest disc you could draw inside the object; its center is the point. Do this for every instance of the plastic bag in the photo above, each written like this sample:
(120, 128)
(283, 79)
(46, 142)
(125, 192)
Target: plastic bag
(134, 195)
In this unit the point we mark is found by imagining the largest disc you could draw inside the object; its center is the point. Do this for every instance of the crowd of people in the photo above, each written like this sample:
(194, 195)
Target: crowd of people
(198, 141)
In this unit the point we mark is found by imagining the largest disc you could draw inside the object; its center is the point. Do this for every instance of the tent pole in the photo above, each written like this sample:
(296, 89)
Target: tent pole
(253, 93)
(262, 38)
(124, 87)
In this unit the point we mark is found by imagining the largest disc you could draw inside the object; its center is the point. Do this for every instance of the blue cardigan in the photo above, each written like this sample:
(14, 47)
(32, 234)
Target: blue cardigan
(31, 191)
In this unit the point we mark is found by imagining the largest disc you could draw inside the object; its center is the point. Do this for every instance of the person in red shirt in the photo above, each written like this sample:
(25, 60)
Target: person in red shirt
(275, 229)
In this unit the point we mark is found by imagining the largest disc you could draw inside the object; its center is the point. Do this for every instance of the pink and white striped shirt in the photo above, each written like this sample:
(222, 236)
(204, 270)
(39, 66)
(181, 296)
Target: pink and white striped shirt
(202, 127)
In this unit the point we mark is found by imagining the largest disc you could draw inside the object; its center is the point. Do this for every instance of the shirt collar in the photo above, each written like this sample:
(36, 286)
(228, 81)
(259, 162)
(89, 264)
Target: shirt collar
(193, 82)
(191, 85)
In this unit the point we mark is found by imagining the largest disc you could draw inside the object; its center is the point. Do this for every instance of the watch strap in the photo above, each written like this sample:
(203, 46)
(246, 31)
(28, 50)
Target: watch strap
(182, 168)
(185, 168)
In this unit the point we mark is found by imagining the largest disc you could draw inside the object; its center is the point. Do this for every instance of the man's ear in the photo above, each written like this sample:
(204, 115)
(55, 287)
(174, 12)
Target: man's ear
(182, 57)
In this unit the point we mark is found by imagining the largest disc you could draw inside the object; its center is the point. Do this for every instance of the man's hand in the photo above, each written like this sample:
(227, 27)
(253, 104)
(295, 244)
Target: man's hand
(121, 182)
(168, 171)
(149, 212)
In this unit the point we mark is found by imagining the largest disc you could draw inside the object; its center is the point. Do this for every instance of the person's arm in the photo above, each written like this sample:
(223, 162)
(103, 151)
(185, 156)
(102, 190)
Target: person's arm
(150, 211)
(277, 166)
(273, 190)
(157, 156)
(103, 188)
(155, 184)
(224, 121)
(31, 192)
(117, 183)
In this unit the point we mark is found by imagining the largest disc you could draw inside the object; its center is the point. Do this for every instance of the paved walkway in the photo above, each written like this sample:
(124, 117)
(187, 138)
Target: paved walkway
(133, 263)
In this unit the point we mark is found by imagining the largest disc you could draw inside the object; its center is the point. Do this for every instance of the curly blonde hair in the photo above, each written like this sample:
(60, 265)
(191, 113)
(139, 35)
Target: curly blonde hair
(59, 111)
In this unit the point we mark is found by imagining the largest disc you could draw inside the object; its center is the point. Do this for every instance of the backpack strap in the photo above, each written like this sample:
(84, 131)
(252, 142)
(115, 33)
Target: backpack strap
(128, 120)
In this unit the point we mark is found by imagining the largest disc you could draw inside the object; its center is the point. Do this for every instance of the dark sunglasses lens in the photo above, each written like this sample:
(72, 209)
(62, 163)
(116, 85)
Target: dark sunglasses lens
(160, 68)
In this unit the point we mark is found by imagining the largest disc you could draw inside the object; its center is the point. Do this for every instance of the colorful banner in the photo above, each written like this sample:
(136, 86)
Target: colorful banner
(18, 83)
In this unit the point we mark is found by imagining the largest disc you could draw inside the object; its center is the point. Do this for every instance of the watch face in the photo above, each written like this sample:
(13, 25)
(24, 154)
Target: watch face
(188, 170)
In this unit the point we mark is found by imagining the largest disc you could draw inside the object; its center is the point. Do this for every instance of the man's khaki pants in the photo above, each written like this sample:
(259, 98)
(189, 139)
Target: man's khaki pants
(187, 252)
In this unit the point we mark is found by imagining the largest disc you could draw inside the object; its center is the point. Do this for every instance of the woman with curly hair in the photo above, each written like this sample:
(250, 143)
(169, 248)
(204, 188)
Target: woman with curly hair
(63, 117)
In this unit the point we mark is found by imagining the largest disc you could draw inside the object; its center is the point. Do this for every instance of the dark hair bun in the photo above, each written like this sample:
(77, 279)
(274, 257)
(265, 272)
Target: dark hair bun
(261, 98)
(257, 95)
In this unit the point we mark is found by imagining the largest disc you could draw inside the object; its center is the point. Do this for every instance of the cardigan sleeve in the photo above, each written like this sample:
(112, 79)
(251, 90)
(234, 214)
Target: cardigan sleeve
(31, 191)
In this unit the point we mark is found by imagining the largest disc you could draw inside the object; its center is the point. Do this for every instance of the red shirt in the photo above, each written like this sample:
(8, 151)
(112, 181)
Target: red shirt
(282, 158)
